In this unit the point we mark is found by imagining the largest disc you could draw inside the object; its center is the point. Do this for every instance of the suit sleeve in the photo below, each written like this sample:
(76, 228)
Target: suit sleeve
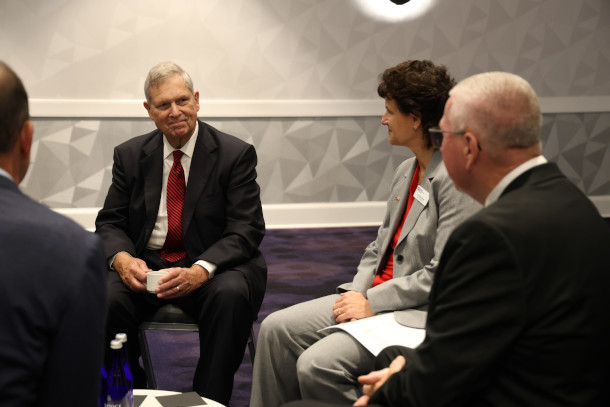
(367, 267)
(368, 264)
(244, 224)
(75, 351)
(476, 312)
(113, 220)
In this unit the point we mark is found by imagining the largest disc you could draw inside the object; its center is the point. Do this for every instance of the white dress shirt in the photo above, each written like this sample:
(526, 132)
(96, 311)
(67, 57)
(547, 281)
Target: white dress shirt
(159, 233)
(3, 173)
(511, 176)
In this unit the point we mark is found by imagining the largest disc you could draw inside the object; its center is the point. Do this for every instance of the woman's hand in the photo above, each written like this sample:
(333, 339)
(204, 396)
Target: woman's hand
(351, 306)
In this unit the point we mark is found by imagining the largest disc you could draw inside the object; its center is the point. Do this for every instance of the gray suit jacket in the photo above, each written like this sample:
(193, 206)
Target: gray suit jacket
(422, 239)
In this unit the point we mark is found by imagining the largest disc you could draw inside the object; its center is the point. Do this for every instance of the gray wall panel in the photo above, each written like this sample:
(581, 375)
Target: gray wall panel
(300, 160)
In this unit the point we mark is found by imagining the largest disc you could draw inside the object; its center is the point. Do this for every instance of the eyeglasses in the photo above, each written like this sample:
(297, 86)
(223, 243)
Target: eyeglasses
(436, 135)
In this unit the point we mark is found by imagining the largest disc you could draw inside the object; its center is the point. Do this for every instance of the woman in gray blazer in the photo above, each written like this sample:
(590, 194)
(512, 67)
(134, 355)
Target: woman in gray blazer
(296, 361)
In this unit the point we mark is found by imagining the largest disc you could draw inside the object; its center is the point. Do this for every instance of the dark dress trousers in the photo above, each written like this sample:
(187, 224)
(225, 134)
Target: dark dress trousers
(222, 223)
(518, 312)
(52, 305)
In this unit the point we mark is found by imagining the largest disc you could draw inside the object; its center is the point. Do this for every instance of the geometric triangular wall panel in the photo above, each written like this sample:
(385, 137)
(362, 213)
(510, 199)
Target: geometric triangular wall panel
(300, 160)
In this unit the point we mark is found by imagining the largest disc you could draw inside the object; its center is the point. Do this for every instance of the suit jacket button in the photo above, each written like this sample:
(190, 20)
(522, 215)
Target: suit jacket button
(399, 258)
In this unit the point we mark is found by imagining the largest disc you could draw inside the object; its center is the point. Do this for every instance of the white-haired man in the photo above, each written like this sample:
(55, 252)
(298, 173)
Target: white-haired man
(184, 198)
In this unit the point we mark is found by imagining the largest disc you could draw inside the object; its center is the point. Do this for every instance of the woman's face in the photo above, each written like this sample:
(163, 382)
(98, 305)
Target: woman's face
(403, 129)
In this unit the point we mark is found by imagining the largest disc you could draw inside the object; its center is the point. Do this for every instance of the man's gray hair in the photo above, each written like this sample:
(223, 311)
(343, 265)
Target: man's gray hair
(162, 71)
(502, 107)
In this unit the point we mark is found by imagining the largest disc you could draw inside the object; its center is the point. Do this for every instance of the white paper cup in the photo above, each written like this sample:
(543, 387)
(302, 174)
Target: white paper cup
(152, 280)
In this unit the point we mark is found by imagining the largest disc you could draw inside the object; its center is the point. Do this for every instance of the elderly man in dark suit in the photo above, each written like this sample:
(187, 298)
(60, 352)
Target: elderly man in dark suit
(52, 290)
(518, 311)
(184, 198)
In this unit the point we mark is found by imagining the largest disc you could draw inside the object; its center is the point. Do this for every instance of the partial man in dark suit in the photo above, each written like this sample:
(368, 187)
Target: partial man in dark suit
(518, 311)
(184, 198)
(52, 290)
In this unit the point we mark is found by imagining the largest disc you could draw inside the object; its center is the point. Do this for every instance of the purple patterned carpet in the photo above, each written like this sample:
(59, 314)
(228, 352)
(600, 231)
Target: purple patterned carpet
(303, 264)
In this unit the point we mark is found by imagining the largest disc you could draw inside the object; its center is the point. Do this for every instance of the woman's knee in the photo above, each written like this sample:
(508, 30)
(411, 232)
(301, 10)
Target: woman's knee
(274, 326)
(311, 364)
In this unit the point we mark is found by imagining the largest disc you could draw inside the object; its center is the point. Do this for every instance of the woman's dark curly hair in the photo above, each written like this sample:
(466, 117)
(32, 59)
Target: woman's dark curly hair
(420, 88)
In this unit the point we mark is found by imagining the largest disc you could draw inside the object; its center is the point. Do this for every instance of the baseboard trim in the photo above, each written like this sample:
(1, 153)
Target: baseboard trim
(324, 215)
(283, 216)
(311, 215)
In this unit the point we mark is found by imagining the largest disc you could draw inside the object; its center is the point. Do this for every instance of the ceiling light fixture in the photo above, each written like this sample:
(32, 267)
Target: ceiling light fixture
(394, 10)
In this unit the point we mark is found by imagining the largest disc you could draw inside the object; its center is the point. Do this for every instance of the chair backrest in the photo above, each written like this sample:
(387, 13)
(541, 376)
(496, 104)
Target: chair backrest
(169, 318)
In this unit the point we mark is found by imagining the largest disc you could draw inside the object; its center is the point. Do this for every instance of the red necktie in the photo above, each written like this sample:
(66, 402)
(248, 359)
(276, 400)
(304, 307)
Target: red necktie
(173, 249)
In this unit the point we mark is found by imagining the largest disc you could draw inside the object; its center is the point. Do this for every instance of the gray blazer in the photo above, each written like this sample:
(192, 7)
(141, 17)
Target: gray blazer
(422, 239)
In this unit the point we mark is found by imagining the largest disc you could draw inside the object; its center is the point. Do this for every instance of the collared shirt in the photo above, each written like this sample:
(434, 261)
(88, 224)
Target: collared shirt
(6, 174)
(157, 238)
(159, 233)
(495, 193)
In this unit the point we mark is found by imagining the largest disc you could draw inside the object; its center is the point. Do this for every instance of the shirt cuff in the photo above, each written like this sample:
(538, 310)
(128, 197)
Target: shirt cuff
(112, 260)
(210, 267)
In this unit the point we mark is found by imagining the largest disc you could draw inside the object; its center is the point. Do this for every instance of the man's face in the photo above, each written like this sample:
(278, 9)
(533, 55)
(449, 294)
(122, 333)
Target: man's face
(174, 109)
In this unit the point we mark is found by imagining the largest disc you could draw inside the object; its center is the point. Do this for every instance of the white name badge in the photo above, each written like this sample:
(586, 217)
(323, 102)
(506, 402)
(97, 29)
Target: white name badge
(421, 195)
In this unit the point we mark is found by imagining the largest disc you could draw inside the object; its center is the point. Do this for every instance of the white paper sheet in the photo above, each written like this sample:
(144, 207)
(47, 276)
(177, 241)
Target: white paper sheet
(379, 332)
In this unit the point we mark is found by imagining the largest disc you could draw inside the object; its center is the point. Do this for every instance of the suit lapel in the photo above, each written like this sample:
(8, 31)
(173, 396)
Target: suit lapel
(202, 164)
(151, 166)
(539, 173)
(417, 207)
(402, 194)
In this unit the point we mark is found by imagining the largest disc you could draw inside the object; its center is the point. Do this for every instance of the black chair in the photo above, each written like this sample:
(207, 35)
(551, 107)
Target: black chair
(171, 318)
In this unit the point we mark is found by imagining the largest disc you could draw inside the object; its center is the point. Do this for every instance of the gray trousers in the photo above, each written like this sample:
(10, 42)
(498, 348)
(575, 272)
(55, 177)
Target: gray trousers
(294, 361)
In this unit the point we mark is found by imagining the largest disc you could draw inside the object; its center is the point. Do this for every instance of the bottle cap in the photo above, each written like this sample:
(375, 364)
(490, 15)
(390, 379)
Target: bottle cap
(116, 344)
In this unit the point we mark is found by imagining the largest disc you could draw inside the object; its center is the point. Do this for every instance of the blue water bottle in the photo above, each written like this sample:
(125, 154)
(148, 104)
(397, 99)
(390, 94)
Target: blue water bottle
(119, 390)
(103, 386)
(124, 360)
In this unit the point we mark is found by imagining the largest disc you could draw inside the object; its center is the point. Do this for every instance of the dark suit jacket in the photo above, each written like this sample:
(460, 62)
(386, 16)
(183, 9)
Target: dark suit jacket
(222, 220)
(52, 305)
(518, 311)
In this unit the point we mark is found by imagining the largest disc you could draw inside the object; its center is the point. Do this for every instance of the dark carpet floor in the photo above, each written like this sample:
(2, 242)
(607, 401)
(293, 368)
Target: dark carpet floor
(303, 264)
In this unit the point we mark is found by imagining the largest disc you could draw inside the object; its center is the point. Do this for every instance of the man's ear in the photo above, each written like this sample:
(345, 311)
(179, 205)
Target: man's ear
(147, 107)
(196, 96)
(26, 138)
(471, 149)
(23, 149)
